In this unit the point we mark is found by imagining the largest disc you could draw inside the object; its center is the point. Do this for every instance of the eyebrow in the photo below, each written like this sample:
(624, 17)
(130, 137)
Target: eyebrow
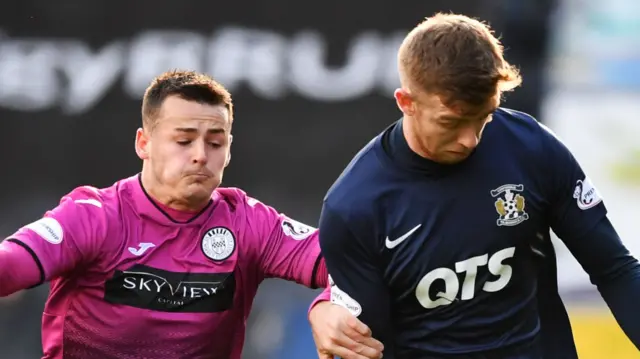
(195, 130)
(464, 118)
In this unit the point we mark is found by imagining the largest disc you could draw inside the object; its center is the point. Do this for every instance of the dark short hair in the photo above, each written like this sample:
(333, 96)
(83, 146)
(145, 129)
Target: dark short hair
(188, 85)
(458, 58)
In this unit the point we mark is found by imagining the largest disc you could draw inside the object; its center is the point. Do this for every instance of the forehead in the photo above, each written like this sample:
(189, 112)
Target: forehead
(459, 108)
(177, 112)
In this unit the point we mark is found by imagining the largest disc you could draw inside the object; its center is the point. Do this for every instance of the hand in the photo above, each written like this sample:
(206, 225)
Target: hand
(338, 332)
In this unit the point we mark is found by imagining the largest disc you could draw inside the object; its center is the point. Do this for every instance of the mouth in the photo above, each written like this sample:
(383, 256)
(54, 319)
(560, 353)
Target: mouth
(460, 153)
(199, 176)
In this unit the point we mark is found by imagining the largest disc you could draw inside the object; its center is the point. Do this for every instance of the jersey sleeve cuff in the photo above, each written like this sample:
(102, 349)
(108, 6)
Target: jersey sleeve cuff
(325, 296)
(312, 266)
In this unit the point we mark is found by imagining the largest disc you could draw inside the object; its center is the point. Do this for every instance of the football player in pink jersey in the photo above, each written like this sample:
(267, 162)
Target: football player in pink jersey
(164, 264)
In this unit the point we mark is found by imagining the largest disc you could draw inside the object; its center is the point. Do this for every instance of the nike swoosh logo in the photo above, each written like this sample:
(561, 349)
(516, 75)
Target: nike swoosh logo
(392, 244)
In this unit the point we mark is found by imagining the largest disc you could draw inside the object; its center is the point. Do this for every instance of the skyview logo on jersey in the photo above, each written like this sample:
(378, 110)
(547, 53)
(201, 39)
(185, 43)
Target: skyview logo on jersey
(150, 288)
(510, 204)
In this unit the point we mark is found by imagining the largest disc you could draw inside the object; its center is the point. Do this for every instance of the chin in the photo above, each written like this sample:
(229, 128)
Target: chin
(196, 192)
(453, 158)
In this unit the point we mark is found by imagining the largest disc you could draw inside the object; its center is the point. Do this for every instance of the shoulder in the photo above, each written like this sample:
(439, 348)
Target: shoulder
(519, 126)
(82, 216)
(105, 201)
(89, 194)
(236, 198)
(530, 133)
(102, 208)
(521, 131)
(355, 195)
(245, 208)
(260, 218)
(353, 183)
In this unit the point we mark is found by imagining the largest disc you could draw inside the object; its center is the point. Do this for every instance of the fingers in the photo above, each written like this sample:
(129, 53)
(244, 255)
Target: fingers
(352, 345)
(358, 326)
(345, 353)
(373, 344)
(360, 333)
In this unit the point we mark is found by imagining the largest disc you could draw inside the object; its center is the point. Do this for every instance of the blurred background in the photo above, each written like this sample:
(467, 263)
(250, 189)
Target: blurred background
(312, 83)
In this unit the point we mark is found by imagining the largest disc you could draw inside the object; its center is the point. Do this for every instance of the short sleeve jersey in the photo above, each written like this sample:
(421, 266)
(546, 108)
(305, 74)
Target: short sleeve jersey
(130, 280)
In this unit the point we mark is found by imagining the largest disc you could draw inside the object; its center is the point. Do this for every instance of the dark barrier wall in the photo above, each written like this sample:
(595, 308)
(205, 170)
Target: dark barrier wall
(312, 82)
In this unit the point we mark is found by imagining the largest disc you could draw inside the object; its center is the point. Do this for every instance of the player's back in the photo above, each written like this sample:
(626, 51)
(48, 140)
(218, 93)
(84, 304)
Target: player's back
(459, 247)
(134, 279)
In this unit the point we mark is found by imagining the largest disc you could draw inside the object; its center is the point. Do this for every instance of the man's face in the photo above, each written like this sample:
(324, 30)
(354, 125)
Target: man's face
(447, 134)
(187, 149)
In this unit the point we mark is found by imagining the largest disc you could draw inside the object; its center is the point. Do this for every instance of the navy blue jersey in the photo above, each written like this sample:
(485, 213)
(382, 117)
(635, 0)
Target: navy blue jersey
(456, 260)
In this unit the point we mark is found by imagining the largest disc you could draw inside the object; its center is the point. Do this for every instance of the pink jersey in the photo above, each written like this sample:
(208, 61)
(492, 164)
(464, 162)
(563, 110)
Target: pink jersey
(132, 279)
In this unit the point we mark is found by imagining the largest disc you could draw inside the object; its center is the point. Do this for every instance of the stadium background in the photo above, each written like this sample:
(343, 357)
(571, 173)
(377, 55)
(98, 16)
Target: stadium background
(312, 82)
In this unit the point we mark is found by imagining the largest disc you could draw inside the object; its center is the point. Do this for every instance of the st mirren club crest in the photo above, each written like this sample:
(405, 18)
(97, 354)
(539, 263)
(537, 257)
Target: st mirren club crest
(510, 204)
(218, 243)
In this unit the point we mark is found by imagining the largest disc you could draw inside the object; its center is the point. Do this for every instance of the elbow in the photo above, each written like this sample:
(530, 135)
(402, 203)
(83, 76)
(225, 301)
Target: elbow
(625, 271)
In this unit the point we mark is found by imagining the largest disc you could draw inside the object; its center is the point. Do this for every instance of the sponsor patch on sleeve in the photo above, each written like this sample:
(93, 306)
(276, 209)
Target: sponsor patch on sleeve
(339, 297)
(586, 194)
(48, 228)
(296, 230)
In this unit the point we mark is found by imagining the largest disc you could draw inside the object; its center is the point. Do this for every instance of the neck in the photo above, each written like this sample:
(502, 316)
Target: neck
(161, 194)
(413, 140)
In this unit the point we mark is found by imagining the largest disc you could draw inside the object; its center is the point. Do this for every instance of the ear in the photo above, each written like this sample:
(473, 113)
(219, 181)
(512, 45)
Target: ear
(142, 144)
(404, 100)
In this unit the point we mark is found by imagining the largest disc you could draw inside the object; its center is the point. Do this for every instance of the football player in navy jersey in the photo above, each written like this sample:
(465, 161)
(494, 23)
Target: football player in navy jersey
(437, 234)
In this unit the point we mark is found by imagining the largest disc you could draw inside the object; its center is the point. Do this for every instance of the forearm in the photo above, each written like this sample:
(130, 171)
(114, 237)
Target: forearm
(622, 296)
(320, 274)
(356, 282)
(18, 269)
(299, 261)
(614, 271)
(303, 265)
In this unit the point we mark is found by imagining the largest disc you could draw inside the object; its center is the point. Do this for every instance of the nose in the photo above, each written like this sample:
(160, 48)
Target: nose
(199, 155)
(469, 138)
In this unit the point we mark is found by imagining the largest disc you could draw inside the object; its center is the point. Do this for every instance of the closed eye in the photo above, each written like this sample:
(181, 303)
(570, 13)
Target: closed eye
(187, 142)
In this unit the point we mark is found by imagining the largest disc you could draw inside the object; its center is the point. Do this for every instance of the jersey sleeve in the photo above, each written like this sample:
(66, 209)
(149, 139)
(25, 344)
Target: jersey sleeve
(575, 204)
(18, 270)
(354, 274)
(287, 249)
(67, 236)
(578, 216)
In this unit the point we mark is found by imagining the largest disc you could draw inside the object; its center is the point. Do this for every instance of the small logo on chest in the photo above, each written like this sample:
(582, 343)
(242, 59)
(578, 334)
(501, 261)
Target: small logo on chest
(142, 248)
(510, 204)
(218, 244)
